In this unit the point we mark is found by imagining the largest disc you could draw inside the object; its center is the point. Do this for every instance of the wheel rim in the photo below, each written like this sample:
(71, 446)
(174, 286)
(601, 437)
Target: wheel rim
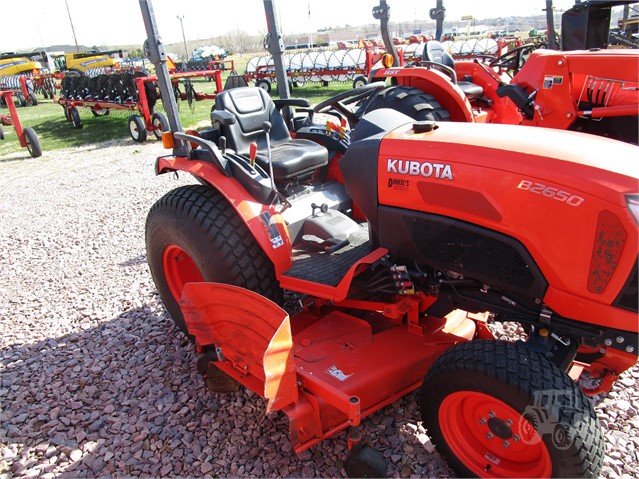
(491, 438)
(179, 269)
(135, 132)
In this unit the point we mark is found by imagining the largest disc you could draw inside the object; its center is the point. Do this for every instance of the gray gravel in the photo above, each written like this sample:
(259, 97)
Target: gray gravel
(94, 378)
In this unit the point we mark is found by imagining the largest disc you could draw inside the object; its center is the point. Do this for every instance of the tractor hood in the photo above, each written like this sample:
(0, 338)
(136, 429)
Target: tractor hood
(555, 201)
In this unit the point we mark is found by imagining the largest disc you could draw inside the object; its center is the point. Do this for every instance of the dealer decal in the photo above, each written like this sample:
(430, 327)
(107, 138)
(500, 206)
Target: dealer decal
(271, 229)
(416, 168)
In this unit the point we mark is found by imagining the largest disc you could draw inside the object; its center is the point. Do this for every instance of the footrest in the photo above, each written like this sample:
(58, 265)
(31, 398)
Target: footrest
(327, 275)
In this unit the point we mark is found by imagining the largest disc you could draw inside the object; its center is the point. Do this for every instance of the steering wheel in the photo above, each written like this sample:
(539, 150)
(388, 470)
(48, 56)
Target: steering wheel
(341, 101)
(513, 59)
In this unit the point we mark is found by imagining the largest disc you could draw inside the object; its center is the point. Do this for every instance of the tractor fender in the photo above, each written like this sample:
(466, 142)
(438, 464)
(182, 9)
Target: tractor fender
(435, 83)
(263, 221)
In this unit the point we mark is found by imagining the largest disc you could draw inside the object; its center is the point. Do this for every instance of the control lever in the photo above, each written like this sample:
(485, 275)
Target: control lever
(266, 127)
(223, 144)
(253, 153)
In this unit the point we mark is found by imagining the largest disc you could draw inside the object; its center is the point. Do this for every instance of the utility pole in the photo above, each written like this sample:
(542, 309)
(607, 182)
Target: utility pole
(186, 50)
(77, 48)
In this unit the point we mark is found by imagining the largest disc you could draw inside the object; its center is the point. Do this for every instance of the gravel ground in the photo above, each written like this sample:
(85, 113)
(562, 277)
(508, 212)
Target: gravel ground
(94, 378)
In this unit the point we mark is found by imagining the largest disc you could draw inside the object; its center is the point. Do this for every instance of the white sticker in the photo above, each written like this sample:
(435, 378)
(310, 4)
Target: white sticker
(338, 373)
(491, 458)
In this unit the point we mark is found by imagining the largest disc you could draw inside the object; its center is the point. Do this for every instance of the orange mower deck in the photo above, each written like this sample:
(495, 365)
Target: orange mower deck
(325, 368)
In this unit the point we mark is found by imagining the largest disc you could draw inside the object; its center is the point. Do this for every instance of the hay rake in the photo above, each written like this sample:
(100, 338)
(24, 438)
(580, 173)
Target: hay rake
(319, 66)
(134, 92)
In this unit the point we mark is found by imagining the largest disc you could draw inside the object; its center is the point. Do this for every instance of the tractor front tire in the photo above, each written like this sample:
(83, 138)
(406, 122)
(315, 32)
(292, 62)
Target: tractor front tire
(410, 101)
(475, 404)
(192, 235)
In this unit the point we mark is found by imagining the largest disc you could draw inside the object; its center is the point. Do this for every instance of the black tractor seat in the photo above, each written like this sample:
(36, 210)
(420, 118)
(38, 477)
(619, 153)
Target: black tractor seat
(435, 52)
(242, 113)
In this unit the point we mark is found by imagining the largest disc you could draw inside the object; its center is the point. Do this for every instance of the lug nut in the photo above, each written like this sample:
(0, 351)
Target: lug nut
(608, 342)
(489, 435)
(508, 422)
(629, 349)
(620, 339)
(482, 421)
(506, 444)
(491, 414)
(515, 438)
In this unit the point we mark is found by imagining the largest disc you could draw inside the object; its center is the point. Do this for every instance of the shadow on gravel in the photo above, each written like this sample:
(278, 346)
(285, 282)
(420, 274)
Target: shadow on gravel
(86, 403)
(139, 259)
(124, 398)
(13, 159)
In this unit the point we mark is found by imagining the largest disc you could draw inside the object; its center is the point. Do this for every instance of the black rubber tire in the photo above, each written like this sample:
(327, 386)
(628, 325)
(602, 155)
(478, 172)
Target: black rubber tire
(410, 101)
(1, 133)
(365, 462)
(137, 128)
(201, 222)
(264, 84)
(100, 112)
(160, 121)
(74, 114)
(33, 143)
(359, 81)
(512, 373)
(21, 100)
(33, 99)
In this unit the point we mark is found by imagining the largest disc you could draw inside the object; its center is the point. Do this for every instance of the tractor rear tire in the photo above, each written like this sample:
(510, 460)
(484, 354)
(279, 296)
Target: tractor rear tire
(477, 401)
(193, 234)
(33, 143)
(410, 101)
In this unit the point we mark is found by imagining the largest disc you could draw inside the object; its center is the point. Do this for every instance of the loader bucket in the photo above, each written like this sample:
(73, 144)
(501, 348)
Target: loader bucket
(254, 335)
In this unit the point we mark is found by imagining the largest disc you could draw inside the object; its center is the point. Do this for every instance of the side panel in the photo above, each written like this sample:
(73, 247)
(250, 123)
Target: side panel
(549, 197)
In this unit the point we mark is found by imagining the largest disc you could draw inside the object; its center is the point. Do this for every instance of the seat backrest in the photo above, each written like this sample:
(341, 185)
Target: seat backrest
(251, 106)
(435, 52)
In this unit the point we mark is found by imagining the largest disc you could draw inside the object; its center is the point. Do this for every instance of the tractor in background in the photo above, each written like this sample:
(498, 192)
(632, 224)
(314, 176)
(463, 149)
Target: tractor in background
(589, 91)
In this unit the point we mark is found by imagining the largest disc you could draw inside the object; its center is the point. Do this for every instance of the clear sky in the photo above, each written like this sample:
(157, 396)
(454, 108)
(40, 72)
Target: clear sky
(115, 22)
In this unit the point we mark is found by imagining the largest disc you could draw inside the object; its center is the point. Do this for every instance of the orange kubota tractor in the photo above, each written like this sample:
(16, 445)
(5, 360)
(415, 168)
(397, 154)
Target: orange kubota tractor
(406, 239)
(594, 91)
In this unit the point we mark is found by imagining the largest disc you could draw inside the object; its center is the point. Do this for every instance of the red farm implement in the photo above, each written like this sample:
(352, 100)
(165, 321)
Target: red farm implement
(324, 66)
(27, 136)
(132, 92)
